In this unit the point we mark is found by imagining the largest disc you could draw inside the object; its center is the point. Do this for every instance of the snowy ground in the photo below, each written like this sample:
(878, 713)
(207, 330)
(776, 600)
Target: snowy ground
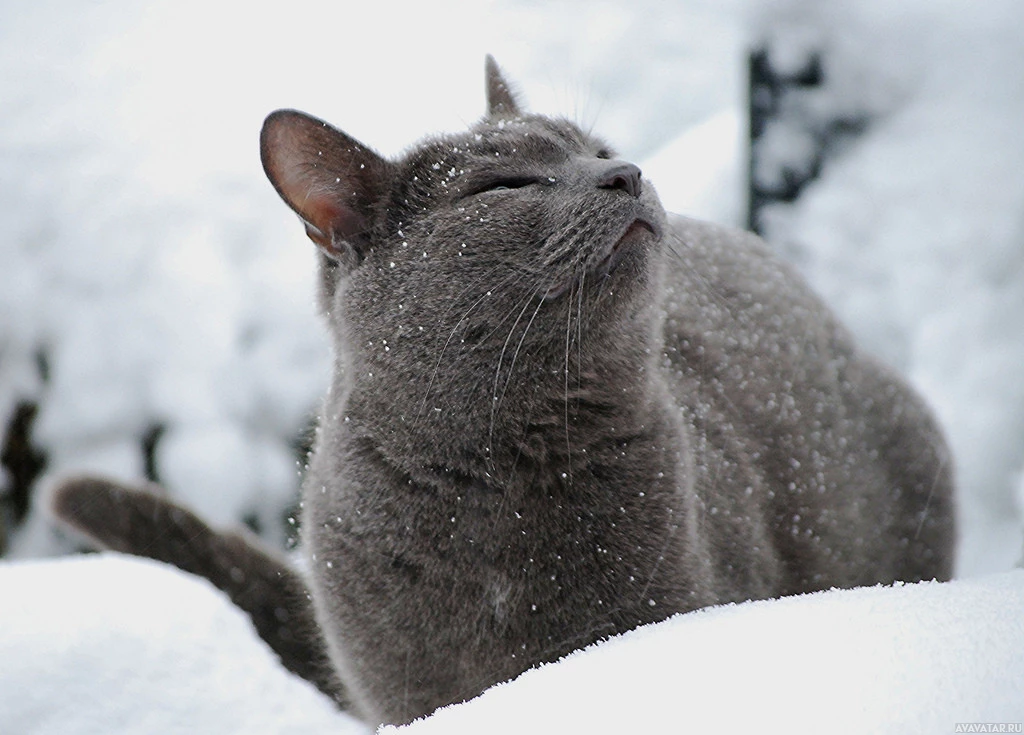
(115, 645)
(97, 645)
(915, 659)
(143, 252)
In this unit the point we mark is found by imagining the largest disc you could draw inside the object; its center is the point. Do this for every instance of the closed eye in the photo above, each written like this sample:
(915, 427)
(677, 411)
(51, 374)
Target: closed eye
(502, 184)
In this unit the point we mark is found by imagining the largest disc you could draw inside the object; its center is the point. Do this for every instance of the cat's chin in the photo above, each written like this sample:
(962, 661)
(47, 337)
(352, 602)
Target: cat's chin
(637, 231)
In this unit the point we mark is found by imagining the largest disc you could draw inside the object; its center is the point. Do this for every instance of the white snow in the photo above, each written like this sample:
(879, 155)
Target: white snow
(142, 249)
(113, 644)
(915, 658)
(709, 156)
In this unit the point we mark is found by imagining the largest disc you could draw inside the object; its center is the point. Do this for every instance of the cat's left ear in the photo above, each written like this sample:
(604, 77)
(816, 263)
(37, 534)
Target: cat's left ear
(501, 102)
(329, 179)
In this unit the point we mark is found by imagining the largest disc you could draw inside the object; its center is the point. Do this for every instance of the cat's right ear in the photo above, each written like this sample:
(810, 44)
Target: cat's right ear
(330, 180)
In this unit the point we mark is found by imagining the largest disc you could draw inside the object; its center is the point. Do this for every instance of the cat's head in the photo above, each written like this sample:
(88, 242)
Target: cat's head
(523, 236)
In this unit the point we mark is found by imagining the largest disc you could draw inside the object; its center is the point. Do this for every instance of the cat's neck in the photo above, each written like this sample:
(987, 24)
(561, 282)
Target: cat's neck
(504, 401)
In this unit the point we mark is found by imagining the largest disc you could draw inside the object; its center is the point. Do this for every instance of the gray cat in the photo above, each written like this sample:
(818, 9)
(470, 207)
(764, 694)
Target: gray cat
(556, 414)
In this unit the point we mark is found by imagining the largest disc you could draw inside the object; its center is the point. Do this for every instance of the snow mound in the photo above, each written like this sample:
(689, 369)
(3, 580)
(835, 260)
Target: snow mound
(110, 644)
(911, 658)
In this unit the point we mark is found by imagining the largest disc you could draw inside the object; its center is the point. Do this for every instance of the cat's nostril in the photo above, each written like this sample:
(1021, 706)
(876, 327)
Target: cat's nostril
(622, 176)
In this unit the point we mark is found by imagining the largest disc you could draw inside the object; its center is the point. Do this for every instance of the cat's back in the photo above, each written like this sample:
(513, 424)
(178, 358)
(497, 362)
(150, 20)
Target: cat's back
(794, 425)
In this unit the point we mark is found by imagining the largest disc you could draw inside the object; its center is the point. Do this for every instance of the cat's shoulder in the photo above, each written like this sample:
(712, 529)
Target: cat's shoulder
(733, 269)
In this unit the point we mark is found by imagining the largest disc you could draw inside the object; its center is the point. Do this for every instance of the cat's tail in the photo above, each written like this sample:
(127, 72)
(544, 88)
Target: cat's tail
(271, 591)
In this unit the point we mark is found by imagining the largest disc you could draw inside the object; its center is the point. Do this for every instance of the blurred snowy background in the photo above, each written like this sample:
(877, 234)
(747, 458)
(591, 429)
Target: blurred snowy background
(156, 298)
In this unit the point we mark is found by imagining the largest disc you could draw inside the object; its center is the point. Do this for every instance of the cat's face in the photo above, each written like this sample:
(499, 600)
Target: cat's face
(527, 214)
(521, 239)
(532, 199)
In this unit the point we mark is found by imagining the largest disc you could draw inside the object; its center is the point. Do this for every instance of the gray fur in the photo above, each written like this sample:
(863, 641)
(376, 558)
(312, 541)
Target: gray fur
(558, 414)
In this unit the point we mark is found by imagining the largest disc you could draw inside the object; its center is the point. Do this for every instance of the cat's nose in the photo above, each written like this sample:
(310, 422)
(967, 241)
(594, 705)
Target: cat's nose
(620, 175)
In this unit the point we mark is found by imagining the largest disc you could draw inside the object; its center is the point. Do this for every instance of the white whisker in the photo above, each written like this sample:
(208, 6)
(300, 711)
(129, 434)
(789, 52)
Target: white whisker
(486, 293)
(568, 444)
(497, 375)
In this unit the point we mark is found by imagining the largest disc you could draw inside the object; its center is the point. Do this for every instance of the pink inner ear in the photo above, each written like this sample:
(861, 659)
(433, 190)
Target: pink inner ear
(319, 211)
(311, 190)
(324, 175)
(325, 219)
(305, 185)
